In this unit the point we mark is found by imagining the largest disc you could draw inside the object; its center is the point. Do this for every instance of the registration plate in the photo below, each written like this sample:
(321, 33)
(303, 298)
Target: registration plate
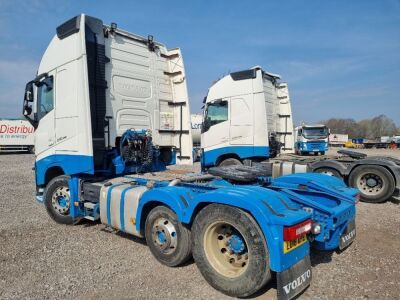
(290, 245)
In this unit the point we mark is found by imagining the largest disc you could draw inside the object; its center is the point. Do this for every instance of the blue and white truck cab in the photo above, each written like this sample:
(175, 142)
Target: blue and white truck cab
(108, 106)
(311, 139)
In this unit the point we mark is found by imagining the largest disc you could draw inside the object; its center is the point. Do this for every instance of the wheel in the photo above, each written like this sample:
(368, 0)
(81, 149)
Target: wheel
(230, 250)
(322, 152)
(169, 241)
(316, 153)
(229, 162)
(376, 184)
(329, 171)
(57, 200)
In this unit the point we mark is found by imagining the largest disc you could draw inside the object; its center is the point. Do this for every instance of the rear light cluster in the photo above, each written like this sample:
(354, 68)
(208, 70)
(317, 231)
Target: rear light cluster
(296, 231)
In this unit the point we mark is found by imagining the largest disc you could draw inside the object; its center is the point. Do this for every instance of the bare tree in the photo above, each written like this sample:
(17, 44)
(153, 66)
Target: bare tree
(367, 128)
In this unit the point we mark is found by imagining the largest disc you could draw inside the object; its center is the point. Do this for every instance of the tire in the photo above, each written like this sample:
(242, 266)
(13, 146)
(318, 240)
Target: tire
(229, 162)
(375, 183)
(169, 241)
(57, 200)
(329, 171)
(238, 269)
(322, 152)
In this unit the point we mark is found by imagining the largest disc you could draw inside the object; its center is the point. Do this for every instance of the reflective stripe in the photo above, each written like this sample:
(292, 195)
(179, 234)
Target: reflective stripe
(122, 206)
(109, 201)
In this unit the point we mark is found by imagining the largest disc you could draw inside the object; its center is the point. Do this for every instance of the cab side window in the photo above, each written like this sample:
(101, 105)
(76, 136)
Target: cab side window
(45, 97)
(216, 112)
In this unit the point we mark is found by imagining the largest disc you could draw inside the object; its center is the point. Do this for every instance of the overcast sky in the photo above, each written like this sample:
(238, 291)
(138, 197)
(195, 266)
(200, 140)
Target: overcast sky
(340, 58)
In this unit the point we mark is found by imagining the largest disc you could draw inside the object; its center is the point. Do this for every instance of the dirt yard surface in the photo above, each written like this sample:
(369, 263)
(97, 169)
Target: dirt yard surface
(40, 259)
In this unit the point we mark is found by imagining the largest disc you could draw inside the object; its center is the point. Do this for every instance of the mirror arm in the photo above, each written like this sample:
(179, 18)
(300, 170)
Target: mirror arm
(39, 77)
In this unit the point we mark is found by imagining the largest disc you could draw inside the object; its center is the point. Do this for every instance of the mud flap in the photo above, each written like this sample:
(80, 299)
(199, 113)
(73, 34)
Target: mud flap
(348, 235)
(294, 280)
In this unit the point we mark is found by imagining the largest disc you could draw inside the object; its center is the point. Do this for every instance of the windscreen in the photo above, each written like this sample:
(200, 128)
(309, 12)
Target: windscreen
(315, 132)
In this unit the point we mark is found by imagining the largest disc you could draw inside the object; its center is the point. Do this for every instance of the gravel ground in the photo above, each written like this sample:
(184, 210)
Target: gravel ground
(41, 259)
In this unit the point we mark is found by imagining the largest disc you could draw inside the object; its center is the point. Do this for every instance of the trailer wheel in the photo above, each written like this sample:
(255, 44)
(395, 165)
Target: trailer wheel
(229, 162)
(169, 241)
(57, 200)
(329, 171)
(376, 184)
(230, 250)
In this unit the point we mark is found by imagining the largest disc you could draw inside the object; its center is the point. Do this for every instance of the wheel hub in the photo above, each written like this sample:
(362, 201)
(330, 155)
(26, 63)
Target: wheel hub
(226, 249)
(236, 244)
(370, 183)
(61, 200)
(164, 235)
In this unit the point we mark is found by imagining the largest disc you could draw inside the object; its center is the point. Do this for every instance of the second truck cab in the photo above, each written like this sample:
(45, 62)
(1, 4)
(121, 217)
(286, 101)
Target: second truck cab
(311, 139)
(247, 115)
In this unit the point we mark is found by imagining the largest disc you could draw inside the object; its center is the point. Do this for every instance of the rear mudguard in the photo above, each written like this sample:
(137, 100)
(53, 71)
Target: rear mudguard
(271, 209)
(330, 201)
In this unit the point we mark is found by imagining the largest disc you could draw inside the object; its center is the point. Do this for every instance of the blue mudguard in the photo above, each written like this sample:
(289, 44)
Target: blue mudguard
(272, 210)
(329, 200)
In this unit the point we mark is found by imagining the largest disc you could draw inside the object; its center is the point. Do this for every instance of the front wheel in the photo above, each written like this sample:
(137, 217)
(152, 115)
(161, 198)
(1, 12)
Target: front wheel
(375, 183)
(169, 241)
(230, 250)
(57, 200)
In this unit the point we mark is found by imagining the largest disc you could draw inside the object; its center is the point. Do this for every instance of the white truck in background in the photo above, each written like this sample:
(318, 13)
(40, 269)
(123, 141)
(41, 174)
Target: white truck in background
(247, 116)
(248, 119)
(16, 135)
(338, 139)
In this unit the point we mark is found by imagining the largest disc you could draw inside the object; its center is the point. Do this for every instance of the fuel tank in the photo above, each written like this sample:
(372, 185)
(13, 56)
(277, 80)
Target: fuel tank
(119, 199)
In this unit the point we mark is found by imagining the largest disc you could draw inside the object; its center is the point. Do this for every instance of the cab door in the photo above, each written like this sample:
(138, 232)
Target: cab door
(241, 121)
(45, 132)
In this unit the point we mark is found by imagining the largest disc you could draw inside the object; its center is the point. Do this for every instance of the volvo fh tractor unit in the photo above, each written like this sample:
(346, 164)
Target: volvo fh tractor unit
(109, 105)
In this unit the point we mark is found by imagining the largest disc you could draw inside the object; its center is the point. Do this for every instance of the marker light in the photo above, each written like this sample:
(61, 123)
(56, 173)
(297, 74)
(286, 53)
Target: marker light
(315, 228)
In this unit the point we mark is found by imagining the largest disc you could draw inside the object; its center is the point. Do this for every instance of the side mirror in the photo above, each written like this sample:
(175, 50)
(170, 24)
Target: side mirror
(29, 92)
(27, 109)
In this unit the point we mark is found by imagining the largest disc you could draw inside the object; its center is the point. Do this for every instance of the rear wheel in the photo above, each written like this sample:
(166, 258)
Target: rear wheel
(57, 200)
(375, 183)
(230, 250)
(229, 162)
(169, 241)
